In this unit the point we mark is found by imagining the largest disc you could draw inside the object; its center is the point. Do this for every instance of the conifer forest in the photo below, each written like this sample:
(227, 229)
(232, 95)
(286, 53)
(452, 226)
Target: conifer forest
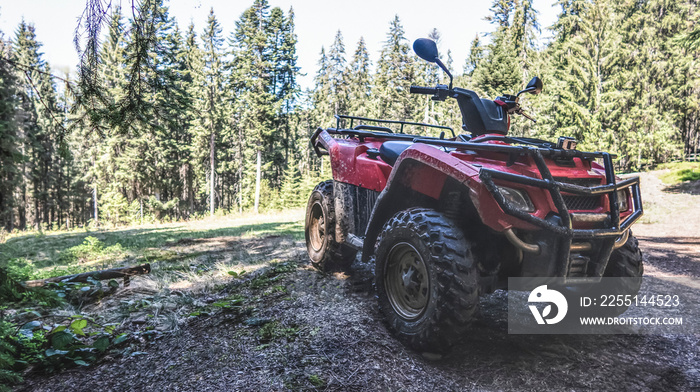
(164, 122)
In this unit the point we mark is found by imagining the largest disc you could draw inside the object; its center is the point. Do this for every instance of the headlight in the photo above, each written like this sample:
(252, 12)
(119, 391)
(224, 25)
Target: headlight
(622, 201)
(517, 198)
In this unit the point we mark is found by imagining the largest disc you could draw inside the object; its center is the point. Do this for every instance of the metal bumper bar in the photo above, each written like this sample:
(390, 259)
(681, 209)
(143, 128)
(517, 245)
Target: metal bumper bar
(616, 227)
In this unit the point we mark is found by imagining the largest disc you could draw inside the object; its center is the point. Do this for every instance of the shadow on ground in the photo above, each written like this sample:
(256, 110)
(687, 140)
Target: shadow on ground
(672, 255)
(688, 187)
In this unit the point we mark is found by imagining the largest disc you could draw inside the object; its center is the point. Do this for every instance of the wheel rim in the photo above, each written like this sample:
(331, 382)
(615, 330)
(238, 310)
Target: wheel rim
(317, 228)
(406, 281)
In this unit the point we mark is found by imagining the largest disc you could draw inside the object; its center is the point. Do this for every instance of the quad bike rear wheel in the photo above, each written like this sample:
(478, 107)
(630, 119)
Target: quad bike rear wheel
(426, 279)
(326, 254)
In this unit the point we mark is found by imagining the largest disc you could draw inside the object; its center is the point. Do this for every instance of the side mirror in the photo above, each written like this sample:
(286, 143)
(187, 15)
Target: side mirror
(534, 87)
(426, 49)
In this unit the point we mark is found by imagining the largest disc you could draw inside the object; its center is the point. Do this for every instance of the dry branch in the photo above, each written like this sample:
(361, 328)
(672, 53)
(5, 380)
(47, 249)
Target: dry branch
(113, 273)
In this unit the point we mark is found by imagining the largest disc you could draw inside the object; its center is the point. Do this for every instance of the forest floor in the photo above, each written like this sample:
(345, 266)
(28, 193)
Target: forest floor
(284, 326)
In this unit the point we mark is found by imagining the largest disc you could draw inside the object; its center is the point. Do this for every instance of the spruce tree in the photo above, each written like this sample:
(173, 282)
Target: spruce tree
(258, 105)
(322, 94)
(359, 81)
(337, 78)
(500, 71)
(195, 177)
(211, 108)
(582, 31)
(396, 72)
(286, 85)
(476, 54)
(10, 154)
(33, 134)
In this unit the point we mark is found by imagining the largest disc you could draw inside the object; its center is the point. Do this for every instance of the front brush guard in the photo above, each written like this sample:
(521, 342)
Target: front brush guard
(564, 230)
(615, 229)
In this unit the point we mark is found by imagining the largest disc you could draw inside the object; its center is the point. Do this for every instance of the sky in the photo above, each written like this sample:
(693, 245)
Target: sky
(317, 22)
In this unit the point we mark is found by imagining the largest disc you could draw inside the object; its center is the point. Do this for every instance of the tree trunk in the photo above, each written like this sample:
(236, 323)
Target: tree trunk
(257, 183)
(212, 175)
(240, 189)
(94, 198)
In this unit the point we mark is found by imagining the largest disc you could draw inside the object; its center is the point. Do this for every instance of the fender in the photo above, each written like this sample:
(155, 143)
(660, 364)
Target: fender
(424, 169)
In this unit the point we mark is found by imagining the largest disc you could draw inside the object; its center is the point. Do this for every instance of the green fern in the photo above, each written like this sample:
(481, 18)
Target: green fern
(7, 360)
(10, 289)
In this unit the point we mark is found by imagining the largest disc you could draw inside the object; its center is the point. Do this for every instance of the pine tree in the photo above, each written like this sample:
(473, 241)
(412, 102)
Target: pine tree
(10, 155)
(337, 77)
(211, 109)
(476, 54)
(396, 72)
(359, 81)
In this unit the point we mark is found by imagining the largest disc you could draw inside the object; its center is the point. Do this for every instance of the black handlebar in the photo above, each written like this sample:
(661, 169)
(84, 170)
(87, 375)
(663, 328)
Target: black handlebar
(423, 90)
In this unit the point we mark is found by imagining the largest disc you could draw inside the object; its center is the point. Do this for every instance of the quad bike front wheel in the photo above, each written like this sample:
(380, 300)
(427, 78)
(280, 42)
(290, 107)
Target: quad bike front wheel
(426, 279)
(625, 262)
(325, 253)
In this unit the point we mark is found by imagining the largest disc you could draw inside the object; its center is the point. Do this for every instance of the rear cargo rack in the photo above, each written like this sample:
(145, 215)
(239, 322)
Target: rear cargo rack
(363, 131)
(339, 118)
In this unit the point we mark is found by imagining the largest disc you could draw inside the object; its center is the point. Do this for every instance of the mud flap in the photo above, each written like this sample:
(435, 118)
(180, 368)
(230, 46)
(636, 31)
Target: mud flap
(344, 211)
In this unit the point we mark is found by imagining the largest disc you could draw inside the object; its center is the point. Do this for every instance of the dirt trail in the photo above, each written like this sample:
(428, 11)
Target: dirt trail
(325, 333)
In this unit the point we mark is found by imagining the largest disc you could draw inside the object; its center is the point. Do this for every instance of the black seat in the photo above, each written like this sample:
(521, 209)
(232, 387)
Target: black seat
(390, 151)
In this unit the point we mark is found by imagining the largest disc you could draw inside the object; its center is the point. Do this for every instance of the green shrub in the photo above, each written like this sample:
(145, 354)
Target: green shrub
(91, 249)
(12, 290)
(77, 340)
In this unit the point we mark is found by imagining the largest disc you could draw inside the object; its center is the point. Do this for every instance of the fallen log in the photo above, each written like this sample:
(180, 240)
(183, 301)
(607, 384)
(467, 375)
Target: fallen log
(114, 273)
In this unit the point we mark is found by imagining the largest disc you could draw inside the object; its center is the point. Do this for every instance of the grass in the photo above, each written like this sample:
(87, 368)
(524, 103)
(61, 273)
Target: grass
(680, 172)
(59, 253)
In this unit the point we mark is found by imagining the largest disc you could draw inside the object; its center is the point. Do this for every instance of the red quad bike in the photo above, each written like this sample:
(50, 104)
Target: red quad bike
(445, 220)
